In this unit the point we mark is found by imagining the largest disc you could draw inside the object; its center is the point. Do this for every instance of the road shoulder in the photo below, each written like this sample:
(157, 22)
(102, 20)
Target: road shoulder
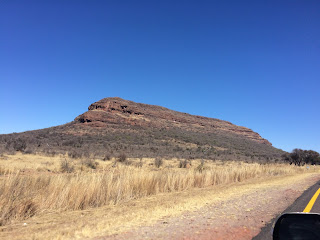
(239, 215)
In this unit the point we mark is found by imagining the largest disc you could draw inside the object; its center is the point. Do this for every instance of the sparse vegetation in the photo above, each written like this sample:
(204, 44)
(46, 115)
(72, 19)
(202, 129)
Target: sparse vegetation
(107, 157)
(185, 163)
(74, 154)
(200, 168)
(122, 158)
(19, 144)
(139, 142)
(140, 163)
(66, 166)
(158, 162)
(90, 163)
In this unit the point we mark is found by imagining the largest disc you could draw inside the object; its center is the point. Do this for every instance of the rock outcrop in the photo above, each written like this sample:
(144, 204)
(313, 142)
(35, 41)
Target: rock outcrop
(109, 112)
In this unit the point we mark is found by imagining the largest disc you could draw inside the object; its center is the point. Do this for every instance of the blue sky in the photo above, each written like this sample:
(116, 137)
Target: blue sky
(253, 63)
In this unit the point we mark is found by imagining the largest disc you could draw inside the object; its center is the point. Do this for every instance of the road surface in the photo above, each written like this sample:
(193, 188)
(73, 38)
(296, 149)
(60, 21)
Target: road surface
(302, 204)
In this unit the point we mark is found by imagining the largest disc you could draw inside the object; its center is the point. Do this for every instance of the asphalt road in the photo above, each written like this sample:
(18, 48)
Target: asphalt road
(298, 206)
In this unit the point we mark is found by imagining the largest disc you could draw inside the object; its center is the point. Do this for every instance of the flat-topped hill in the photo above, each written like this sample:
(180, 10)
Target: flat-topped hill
(117, 111)
(114, 125)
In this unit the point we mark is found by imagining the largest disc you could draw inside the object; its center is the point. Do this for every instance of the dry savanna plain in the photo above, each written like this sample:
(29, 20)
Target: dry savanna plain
(57, 197)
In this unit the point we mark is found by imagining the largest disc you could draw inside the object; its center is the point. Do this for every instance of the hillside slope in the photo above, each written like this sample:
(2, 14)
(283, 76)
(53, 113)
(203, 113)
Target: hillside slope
(114, 125)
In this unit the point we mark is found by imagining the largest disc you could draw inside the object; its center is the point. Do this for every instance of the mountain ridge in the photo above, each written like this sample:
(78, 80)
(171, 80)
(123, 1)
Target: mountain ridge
(114, 126)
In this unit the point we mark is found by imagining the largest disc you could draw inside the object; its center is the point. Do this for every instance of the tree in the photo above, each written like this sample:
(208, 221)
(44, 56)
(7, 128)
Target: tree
(312, 157)
(300, 157)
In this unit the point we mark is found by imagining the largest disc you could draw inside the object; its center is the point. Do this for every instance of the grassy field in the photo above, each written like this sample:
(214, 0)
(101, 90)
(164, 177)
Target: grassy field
(32, 184)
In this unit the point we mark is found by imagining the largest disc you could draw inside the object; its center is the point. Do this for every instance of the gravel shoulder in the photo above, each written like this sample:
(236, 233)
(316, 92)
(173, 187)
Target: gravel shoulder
(240, 217)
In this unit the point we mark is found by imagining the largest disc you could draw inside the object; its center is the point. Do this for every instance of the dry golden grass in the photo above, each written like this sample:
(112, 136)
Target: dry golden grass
(28, 162)
(113, 219)
(25, 195)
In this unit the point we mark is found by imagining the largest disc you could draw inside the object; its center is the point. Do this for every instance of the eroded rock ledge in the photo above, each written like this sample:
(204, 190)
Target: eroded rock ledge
(119, 111)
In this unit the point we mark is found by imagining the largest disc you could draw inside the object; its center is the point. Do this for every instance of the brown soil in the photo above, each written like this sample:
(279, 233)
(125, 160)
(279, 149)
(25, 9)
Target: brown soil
(239, 218)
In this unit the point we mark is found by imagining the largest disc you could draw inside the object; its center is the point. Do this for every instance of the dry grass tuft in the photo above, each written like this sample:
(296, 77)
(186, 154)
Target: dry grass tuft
(66, 166)
(185, 163)
(90, 163)
(158, 162)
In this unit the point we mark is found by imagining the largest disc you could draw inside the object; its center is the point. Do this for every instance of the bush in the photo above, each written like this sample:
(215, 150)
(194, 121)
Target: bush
(66, 166)
(122, 158)
(90, 163)
(28, 151)
(158, 162)
(74, 154)
(107, 157)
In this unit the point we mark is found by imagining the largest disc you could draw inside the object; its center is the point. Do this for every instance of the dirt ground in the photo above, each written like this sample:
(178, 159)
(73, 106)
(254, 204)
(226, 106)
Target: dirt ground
(238, 218)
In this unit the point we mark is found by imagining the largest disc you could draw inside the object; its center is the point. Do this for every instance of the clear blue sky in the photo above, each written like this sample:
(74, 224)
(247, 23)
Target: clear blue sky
(254, 63)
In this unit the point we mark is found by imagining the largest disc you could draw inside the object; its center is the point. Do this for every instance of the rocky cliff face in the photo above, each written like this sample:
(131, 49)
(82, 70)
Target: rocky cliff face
(110, 112)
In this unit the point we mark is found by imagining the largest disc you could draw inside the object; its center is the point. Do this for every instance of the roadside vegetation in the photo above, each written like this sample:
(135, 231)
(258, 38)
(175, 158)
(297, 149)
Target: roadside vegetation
(301, 157)
(36, 184)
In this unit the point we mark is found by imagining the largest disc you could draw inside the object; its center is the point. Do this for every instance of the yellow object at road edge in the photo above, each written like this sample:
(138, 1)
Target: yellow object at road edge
(312, 201)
